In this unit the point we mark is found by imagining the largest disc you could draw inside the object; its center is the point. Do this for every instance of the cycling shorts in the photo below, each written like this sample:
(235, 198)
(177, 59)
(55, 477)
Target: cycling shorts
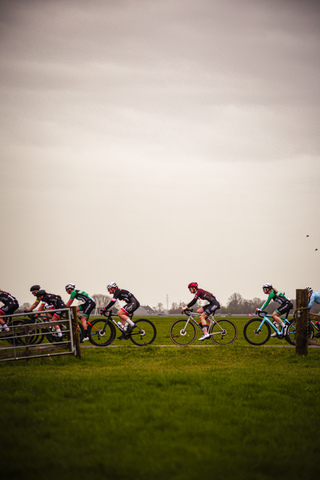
(86, 308)
(211, 308)
(284, 308)
(131, 307)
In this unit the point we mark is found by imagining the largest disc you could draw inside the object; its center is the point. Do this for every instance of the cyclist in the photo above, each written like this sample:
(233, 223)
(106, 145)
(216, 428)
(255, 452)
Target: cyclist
(10, 305)
(127, 310)
(285, 305)
(84, 308)
(51, 302)
(314, 297)
(209, 309)
(34, 289)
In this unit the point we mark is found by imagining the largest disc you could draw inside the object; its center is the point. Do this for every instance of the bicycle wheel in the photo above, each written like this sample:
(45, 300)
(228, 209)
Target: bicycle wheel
(15, 337)
(144, 333)
(255, 333)
(101, 332)
(181, 333)
(223, 332)
(292, 331)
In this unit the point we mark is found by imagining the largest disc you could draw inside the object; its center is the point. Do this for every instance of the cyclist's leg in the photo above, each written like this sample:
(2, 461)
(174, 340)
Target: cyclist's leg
(84, 313)
(3, 323)
(125, 313)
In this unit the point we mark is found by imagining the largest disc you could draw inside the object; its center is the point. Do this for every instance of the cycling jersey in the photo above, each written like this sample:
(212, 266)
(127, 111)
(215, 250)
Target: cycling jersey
(279, 298)
(7, 298)
(126, 296)
(88, 303)
(81, 296)
(203, 295)
(54, 300)
(10, 303)
(314, 298)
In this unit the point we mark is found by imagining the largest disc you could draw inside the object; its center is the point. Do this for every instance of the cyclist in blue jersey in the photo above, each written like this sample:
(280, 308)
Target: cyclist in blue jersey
(314, 297)
(209, 309)
(127, 310)
(84, 309)
(10, 305)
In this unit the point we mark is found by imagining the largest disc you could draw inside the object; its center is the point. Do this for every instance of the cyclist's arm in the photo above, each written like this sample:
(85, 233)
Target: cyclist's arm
(69, 302)
(110, 304)
(266, 303)
(33, 306)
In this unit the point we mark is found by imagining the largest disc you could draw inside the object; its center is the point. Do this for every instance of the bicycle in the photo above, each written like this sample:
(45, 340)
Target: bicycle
(102, 331)
(184, 332)
(312, 326)
(257, 331)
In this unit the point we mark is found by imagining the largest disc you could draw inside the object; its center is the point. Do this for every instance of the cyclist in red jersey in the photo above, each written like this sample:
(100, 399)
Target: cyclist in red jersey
(205, 311)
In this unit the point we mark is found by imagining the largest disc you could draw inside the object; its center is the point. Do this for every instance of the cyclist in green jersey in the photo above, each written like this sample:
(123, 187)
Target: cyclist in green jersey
(285, 303)
(84, 309)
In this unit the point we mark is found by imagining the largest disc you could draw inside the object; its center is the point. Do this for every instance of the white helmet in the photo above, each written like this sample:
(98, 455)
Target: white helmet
(310, 289)
(70, 286)
(112, 285)
(266, 285)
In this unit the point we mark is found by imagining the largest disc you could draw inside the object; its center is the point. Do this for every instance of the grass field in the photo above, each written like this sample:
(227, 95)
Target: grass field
(227, 412)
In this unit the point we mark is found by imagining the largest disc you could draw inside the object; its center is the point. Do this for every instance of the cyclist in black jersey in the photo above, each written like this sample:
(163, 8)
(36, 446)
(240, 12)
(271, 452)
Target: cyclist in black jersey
(209, 309)
(10, 305)
(34, 289)
(52, 302)
(127, 310)
(84, 309)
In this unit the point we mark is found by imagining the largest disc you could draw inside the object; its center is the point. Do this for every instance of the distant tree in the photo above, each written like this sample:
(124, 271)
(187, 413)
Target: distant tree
(159, 308)
(23, 307)
(101, 300)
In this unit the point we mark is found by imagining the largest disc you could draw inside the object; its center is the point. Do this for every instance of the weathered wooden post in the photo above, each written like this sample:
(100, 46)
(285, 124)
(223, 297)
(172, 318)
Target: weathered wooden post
(75, 332)
(302, 322)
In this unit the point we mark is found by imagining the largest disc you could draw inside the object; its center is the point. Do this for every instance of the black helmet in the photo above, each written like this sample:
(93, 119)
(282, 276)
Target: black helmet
(34, 288)
(40, 293)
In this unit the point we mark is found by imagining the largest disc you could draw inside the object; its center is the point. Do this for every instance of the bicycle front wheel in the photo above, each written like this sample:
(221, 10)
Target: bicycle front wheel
(101, 332)
(144, 333)
(182, 333)
(223, 332)
(255, 332)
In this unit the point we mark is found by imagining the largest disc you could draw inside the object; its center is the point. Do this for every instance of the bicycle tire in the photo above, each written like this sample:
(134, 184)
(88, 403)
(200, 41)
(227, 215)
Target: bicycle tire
(291, 332)
(17, 340)
(101, 332)
(224, 332)
(181, 336)
(81, 331)
(144, 333)
(255, 336)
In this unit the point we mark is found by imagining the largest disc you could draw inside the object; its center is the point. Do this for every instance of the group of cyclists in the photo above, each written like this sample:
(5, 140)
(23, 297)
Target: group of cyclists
(48, 301)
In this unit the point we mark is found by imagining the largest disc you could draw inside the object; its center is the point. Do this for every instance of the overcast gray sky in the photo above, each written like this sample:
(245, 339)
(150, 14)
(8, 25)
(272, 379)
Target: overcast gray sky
(158, 142)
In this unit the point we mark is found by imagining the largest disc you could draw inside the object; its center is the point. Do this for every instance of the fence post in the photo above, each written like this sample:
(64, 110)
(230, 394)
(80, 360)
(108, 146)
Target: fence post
(75, 332)
(302, 322)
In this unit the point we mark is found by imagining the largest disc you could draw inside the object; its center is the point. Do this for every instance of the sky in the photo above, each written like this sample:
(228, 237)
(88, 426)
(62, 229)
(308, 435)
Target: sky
(160, 142)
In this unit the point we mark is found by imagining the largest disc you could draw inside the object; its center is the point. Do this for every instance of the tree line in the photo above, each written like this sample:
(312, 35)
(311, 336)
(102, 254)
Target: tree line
(235, 304)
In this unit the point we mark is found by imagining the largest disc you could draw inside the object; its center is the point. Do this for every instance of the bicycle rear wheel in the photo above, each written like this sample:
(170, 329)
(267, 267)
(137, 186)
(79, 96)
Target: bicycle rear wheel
(292, 332)
(181, 333)
(223, 332)
(256, 333)
(101, 332)
(144, 333)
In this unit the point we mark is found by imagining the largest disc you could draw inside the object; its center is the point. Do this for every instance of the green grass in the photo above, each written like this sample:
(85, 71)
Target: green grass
(225, 412)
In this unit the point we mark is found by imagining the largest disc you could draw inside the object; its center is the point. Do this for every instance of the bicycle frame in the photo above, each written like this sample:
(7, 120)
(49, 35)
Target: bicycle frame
(192, 315)
(268, 318)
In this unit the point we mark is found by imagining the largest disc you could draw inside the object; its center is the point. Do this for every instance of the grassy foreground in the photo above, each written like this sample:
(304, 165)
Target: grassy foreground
(230, 412)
